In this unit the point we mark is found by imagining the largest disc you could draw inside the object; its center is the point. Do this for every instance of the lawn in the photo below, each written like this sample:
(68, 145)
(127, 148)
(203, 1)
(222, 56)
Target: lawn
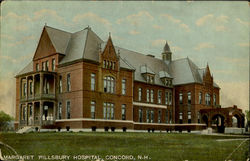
(157, 146)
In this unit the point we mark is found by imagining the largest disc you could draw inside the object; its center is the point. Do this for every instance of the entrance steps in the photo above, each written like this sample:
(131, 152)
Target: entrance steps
(25, 129)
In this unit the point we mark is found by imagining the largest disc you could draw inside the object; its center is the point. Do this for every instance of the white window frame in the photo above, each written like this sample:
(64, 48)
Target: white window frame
(68, 82)
(92, 109)
(92, 81)
(68, 109)
(151, 95)
(148, 93)
(123, 112)
(159, 96)
(166, 97)
(124, 86)
(180, 98)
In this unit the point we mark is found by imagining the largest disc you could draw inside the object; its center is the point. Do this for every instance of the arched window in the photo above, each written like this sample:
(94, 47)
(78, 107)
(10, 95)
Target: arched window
(109, 84)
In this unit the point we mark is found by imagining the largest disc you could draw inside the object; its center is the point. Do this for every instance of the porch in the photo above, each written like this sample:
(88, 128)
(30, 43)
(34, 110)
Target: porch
(37, 113)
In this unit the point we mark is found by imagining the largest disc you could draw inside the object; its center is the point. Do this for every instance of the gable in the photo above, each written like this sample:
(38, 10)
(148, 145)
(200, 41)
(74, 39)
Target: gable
(45, 47)
(109, 51)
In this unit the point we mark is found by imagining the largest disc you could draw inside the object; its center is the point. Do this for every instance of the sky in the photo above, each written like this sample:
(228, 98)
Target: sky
(213, 33)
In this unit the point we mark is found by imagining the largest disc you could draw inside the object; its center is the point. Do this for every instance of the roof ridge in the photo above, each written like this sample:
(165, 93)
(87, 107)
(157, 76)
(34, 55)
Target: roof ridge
(57, 29)
(138, 53)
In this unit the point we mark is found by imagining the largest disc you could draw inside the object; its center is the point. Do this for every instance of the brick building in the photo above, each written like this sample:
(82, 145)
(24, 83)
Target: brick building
(78, 81)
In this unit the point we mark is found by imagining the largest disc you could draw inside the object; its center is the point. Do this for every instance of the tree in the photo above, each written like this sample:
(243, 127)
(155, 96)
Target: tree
(4, 121)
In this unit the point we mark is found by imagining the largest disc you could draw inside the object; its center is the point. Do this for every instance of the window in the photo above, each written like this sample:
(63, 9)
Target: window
(109, 84)
(43, 65)
(147, 115)
(68, 83)
(37, 67)
(60, 84)
(107, 64)
(112, 111)
(189, 97)
(31, 88)
(152, 116)
(123, 112)
(159, 116)
(47, 65)
(198, 117)
(170, 98)
(92, 106)
(150, 79)
(152, 96)
(147, 95)
(167, 116)
(189, 117)
(92, 81)
(60, 110)
(180, 98)
(208, 99)
(124, 86)
(140, 115)
(139, 94)
(104, 110)
(200, 98)
(180, 117)
(53, 64)
(108, 110)
(159, 96)
(214, 101)
(113, 66)
(110, 65)
(166, 98)
(68, 109)
(170, 83)
(24, 89)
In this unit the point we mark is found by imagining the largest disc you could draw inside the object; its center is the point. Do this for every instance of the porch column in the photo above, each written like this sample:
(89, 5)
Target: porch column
(41, 112)
(33, 86)
(54, 84)
(33, 113)
(21, 88)
(27, 114)
(20, 114)
(27, 88)
(54, 110)
(41, 84)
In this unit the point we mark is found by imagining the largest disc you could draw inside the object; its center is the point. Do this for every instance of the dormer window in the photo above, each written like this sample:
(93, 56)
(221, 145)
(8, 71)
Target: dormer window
(165, 78)
(148, 74)
(150, 79)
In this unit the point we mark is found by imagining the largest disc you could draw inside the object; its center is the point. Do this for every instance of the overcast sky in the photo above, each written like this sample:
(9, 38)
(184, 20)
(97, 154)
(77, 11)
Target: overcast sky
(216, 33)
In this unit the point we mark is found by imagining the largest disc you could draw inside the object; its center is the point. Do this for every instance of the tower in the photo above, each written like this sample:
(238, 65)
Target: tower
(166, 54)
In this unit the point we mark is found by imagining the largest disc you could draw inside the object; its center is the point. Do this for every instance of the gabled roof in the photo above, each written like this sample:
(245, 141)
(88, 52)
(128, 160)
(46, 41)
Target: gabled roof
(28, 68)
(83, 44)
(137, 60)
(145, 69)
(59, 39)
(164, 74)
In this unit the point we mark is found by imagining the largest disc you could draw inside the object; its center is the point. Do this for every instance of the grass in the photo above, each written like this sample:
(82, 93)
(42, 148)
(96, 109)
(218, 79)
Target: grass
(158, 146)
